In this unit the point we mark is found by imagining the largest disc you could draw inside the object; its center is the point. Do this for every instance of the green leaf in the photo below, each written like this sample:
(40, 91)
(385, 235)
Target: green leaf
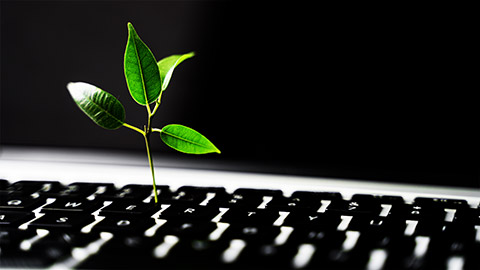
(168, 64)
(103, 108)
(186, 140)
(141, 70)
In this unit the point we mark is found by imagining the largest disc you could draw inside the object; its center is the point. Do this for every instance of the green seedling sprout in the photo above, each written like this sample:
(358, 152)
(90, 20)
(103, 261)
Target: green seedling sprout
(146, 79)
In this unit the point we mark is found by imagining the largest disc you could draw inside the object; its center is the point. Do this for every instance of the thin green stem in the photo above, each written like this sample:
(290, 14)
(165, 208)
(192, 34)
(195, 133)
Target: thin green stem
(150, 162)
(146, 134)
(156, 130)
(134, 128)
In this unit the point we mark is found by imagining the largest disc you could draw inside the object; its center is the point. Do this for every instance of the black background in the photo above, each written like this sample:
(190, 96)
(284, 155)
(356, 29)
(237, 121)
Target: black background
(377, 92)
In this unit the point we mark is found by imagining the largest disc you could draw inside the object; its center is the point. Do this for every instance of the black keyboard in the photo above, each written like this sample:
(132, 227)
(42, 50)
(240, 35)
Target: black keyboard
(45, 224)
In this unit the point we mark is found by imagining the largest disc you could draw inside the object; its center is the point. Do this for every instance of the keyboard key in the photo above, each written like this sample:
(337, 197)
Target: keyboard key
(10, 239)
(438, 202)
(248, 198)
(35, 188)
(353, 207)
(20, 203)
(4, 184)
(252, 234)
(253, 216)
(84, 190)
(71, 237)
(134, 192)
(121, 252)
(129, 207)
(14, 219)
(124, 225)
(187, 230)
(190, 213)
(191, 196)
(312, 219)
(195, 254)
(467, 216)
(71, 205)
(305, 200)
(62, 221)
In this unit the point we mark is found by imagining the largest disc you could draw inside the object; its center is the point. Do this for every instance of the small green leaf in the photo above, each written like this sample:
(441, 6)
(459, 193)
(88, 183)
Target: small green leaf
(141, 70)
(186, 140)
(168, 64)
(103, 108)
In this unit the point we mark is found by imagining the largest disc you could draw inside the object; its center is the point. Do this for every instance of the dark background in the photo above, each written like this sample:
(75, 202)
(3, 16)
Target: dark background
(358, 91)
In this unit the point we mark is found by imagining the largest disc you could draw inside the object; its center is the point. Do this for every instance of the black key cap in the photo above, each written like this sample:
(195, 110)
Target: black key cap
(134, 192)
(198, 194)
(129, 207)
(239, 201)
(72, 205)
(62, 221)
(467, 216)
(186, 230)
(124, 251)
(309, 219)
(4, 185)
(190, 213)
(353, 207)
(36, 188)
(71, 237)
(328, 247)
(124, 224)
(252, 234)
(381, 226)
(248, 198)
(189, 195)
(14, 219)
(163, 194)
(247, 216)
(439, 202)
(303, 200)
(20, 203)
(265, 256)
(10, 239)
(201, 254)
(84, 190)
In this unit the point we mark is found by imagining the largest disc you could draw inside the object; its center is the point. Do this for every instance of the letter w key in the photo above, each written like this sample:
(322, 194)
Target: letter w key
(70, 205)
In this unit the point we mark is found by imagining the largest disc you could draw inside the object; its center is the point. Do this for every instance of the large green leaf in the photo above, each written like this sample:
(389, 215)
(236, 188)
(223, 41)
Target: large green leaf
(141, 70)
(168, 64)
(103, 108)
(186, 140)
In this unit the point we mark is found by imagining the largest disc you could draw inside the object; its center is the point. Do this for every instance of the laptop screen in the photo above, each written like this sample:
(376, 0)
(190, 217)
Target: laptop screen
(360, 92)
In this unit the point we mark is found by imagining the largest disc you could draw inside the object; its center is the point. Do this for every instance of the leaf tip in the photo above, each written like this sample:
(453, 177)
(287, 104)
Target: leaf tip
(216, 149)
(70, 85)
(131, 29)
(74, 88)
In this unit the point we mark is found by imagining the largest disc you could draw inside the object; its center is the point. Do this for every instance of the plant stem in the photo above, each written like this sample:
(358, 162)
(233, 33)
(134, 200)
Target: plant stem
(150, 162)
(146, 134)
(134, 128)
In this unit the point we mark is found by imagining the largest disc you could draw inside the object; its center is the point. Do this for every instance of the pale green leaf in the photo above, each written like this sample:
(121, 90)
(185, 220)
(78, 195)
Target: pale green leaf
(186, 140)
(103, 108)
(168, 64)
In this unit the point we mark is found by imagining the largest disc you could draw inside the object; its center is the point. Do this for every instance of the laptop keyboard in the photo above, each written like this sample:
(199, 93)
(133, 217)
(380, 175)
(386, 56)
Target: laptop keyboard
(44, 224)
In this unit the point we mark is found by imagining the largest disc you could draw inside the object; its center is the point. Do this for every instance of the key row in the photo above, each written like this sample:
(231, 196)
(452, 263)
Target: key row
(27, 195)
(194, 244)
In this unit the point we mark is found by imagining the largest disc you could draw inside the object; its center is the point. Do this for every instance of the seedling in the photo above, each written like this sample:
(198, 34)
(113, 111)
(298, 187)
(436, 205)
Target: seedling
(146, 79)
